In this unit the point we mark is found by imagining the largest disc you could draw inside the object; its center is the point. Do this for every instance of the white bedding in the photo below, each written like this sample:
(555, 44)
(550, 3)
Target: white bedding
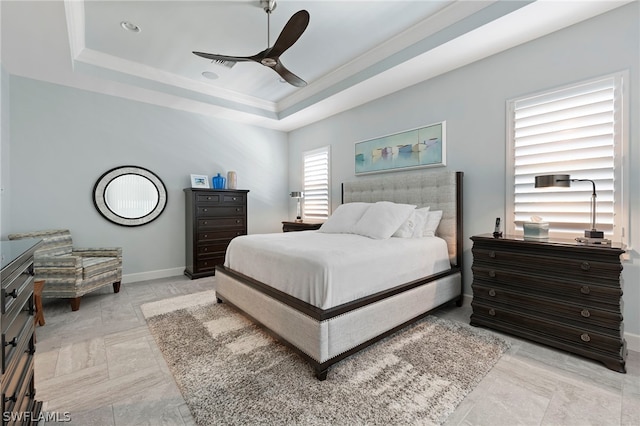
(327, 270)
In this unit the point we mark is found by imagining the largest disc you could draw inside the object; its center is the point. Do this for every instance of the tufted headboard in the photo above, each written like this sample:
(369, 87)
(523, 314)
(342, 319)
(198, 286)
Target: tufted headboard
(439, 190)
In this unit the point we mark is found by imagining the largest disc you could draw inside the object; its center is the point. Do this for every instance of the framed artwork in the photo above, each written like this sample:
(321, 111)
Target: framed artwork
(199, 181)
(421, 147)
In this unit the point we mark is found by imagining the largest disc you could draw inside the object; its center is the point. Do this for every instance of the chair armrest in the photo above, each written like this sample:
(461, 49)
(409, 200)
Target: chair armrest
(98, 252)
(73, 262)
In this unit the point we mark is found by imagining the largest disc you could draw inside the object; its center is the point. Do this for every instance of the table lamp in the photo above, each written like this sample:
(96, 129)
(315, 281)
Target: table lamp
(298, 195)
(565, 181)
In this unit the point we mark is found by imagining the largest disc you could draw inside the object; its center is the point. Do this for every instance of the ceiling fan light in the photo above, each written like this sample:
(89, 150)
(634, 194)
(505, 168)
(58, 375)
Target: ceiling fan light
(130, 26)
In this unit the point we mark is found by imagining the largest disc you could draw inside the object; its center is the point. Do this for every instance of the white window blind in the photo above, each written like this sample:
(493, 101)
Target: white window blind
(316, 184)
(576, 131)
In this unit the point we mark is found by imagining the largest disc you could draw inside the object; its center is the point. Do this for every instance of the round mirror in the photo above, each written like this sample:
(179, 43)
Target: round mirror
(130, 196)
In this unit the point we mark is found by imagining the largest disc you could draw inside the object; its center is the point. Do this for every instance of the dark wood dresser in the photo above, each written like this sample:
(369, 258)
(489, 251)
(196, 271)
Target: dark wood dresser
(300, 226)
(19, 405)
(213, 218)
(557, 292)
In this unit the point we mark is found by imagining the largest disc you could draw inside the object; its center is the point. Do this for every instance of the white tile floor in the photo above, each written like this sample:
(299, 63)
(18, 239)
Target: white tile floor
(101, 366)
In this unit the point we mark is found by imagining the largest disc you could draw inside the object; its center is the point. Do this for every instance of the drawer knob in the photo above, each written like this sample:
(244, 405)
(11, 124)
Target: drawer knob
(492, 312)
(235, 198)
(209, 198)
(205, 210)
(12, 398)
(205, 223)
(205, 236)
(238, 209)
(585, 266)
(492, 274)
(13, 294)
(585, 289)
(205, 249)
(585, 337)
(13, 342)
(237, 220)
(492, 254)
(492, 292)
(585, 313)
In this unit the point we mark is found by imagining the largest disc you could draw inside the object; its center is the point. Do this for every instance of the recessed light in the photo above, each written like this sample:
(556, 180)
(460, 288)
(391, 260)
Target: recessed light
(130, 26)
(210, 75)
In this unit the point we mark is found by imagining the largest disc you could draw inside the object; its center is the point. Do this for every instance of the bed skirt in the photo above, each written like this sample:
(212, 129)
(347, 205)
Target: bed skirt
(325, 339)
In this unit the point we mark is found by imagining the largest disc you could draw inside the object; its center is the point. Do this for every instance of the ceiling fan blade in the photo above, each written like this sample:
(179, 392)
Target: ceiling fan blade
(223, 58)
(288, 76)
(290, 33)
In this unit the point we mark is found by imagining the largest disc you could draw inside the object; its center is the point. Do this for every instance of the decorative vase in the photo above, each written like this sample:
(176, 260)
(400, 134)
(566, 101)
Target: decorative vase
(218, 182)
(232, 180)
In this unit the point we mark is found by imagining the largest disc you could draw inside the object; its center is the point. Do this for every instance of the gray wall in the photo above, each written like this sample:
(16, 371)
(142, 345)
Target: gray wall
(472, 101)
(63, 139)
(4, 148)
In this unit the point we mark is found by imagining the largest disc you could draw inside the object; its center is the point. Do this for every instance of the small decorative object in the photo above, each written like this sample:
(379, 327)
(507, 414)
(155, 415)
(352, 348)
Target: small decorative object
(199, 181)
(218, 182)
(232, 180)
(497, 233)
(298, 195)
(536, 229)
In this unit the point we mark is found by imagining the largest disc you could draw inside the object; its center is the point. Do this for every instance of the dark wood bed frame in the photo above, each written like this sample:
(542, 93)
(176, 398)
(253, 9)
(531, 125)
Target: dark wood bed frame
(321, 369)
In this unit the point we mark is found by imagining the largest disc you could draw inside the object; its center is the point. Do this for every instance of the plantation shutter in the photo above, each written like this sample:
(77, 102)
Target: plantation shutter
(575, 131)
(316, 184)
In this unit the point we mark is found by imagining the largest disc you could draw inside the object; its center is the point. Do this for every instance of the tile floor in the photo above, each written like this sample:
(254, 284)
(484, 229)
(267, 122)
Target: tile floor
(101, 366)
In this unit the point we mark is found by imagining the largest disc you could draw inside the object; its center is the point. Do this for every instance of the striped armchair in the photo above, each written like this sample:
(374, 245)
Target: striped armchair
(73, 272)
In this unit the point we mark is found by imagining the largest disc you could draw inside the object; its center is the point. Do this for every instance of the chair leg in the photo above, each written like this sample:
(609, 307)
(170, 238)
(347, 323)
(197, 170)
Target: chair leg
(116, 287)
(37, 301)
(75, 303)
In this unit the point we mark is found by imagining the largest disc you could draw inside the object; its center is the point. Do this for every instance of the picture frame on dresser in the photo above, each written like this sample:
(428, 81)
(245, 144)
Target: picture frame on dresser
(200, 181)
(559, 293)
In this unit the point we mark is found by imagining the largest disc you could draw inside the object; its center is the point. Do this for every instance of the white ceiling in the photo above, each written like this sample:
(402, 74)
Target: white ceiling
(351, 52)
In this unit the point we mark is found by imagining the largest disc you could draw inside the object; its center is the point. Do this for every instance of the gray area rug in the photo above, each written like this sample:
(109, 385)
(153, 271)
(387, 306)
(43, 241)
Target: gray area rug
(231, 372)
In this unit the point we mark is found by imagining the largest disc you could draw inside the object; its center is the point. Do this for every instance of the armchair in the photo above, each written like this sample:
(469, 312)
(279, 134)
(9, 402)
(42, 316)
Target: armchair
(73, 272)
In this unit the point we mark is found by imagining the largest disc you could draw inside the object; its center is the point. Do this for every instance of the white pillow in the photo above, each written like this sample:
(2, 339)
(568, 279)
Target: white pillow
(344, 218)
(433, 220)
(413, 225)
(382, 219)
(421, 220)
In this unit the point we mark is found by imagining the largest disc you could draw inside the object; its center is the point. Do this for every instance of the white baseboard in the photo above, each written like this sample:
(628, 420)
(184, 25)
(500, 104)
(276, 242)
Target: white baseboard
(633, 340)
(152, 275)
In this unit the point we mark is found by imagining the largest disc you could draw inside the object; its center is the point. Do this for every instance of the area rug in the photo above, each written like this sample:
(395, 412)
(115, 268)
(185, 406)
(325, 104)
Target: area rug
(232, 372)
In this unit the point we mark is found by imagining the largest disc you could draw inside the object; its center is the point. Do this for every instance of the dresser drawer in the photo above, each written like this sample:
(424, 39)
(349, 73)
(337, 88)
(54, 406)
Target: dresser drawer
(606, 297)
(208, 264)
(604, 273)
(18, 390)
(220, 211)
(552, 330)
(599, 320)
(16, 335)
(18, 283)
(220, 224)
(220, 198)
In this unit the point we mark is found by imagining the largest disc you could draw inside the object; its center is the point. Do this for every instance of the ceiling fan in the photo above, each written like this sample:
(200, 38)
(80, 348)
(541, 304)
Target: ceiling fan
(270, 57)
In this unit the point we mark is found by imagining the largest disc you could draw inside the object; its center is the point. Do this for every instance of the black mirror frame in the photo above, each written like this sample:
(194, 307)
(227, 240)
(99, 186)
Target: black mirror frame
(104, 180)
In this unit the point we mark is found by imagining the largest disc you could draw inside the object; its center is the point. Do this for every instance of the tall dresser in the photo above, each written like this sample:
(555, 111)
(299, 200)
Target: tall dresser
(213, 218)
(19, 405)
(557, 292)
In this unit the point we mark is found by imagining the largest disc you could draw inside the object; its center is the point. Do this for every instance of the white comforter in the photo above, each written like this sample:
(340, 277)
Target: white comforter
(327, 270)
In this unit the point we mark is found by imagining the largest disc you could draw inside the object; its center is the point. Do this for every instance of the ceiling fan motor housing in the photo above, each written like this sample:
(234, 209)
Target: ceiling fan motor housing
(268, 5)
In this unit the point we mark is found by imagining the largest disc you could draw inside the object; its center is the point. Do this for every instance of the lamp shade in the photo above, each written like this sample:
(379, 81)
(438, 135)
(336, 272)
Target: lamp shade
(544, 181)
(297, 194)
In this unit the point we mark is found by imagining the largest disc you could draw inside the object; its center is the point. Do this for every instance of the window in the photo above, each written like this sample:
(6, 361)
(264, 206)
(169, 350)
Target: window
(578, 131)
(316, 184)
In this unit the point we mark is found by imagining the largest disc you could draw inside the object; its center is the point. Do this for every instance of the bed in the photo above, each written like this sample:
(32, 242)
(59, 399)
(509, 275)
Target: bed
(325, 325)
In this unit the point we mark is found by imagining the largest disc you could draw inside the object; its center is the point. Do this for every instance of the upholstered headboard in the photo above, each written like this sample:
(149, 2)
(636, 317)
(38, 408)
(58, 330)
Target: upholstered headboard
(439, 190)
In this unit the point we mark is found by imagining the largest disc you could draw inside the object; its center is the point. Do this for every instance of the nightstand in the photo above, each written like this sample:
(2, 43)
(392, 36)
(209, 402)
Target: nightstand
(300, 226)
(556, 292)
